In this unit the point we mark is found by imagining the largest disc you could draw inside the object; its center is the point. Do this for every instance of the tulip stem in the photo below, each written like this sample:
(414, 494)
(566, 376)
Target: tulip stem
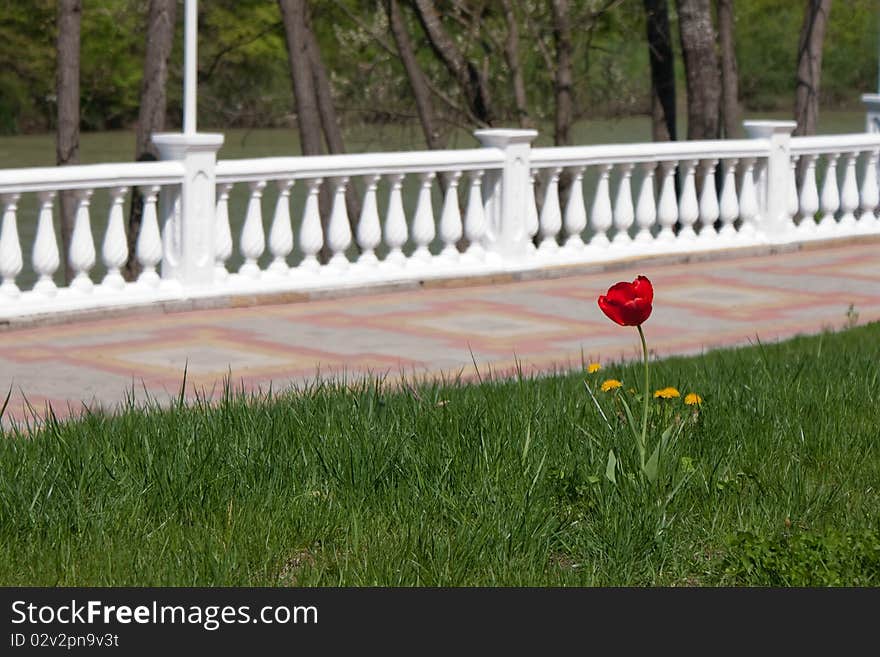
(646, 396)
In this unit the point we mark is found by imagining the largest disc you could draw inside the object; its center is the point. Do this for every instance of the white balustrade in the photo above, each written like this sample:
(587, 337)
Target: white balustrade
(688, 206)
(692, 195)
(646, 208)
(710, 209)
(253, 238)
(369, 230)
(870, 194)
(667, 208)
(849, 193)
(423, 231)
(575, 219)
(475, 217)
(281, 232)
(809, 197)
(450, 218)
(114, 250)
(45, 257)
(149, 244)
(222, 233)
(395, 223)
(311, 235)
(339, 229)
(624, 213)
(829, 201)
(551, 216)
(601, 216)
(748, 201)
(10, 248)
(82, 245)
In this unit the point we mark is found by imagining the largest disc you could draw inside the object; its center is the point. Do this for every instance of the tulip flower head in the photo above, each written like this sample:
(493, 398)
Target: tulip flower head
(628, 304)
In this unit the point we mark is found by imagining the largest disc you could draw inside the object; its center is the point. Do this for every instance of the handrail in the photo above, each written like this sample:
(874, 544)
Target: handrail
(88, 176)
(358, 164)
(815, 145)
(649, 152)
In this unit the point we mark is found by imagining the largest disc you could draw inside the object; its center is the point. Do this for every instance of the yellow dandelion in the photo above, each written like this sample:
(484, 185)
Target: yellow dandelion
(693, 399)
(666, 393)
(610, 384)
(592, 368)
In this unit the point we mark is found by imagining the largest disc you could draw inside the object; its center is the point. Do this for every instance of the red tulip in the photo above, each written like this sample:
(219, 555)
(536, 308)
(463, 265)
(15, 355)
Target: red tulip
(628, 304)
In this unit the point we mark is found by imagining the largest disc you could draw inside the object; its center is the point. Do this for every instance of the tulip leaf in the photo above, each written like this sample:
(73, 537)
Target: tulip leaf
(633, 428)
(611, 467)
(650, 468)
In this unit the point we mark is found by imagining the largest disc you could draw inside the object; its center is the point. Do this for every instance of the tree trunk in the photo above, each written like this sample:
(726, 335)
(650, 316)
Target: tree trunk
(151, 117)
(730, 113)
(662, 62)
(329, 118)
(809, 66)
(701, 68)
(473, 83)
(563, 77)
(415, 75)
(67, 91)
(511, 55)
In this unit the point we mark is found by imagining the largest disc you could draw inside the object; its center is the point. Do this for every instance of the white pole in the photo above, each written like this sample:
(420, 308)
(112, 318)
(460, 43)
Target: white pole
(189, 67)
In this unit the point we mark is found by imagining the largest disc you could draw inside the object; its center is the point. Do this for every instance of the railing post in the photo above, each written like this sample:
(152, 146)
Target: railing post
(505, 192)
(189, 221)
(774, 220)
(872, 112)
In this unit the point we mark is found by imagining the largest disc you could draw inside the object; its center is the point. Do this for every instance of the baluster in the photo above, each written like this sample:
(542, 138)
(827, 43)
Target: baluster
(369, 231)
(532, 220)
(793, 204)
(667, 209)
(624, 214)
(311, 236)
(709, 209)
(395, 222)
(10, 247)
(830, 199)
(423, 231)
(149, 242)
(748, 200)
(849, 194)
(253, 238)
(281, 232)
(475, 217)
(82, 245)
(222, 232)
(600, 212)
(114, 250)
(728, 209)
(870, 193)
(339, 230)
(575, 219)
(688, 207)
(45, 254)
(646, 208)
(450, 218)
(809, 197)
(551, 215)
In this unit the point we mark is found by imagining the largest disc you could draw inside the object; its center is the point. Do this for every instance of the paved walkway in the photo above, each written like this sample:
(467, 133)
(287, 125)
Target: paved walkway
(539, 323)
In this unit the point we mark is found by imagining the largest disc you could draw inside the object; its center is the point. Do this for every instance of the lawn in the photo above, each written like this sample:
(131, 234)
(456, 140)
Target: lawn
(495, 483)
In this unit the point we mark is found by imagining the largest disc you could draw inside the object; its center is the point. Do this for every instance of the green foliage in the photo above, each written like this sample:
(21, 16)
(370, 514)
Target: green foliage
(803, 558)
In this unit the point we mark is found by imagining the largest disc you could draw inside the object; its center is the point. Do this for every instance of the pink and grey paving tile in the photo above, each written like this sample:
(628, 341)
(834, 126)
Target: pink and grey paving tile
(538, 325)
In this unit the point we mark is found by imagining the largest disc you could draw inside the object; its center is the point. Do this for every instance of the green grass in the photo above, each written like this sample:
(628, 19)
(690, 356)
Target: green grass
(497, 483)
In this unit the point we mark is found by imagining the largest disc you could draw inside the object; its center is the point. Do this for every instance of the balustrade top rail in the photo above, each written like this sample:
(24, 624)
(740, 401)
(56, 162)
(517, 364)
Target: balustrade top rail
(834, 143)
(358, 164)
(648, 152)
(90, 176)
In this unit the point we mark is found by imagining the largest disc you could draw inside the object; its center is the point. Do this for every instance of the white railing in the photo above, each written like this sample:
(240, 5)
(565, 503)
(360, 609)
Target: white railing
(427, 214)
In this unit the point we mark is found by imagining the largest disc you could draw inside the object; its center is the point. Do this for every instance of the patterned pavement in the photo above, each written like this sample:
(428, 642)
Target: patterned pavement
(537, 324)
